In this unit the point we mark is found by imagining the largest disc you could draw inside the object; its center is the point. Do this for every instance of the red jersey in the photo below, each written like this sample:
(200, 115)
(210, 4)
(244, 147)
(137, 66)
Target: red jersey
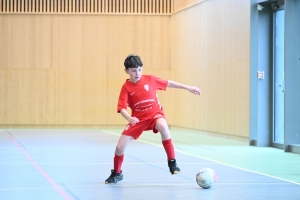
(141, 97)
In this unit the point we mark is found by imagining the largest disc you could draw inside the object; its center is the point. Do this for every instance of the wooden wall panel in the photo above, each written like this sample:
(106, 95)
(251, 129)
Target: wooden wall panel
(68, 70)
(210, 48)
(182, 4)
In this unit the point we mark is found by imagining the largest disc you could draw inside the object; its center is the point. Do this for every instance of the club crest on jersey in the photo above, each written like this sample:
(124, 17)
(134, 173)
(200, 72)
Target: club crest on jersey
(146, 87)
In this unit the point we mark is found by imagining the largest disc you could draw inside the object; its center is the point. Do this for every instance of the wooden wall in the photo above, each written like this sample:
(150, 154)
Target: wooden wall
(183, 4)
(67, 70)
(210, 49)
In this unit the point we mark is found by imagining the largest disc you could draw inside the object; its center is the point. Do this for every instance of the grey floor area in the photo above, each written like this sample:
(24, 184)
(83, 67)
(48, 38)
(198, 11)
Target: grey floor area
(49, 164)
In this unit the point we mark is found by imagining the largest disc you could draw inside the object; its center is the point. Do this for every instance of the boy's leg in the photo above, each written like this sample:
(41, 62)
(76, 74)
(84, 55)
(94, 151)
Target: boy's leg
(116, 173)
(162, 126)
(123, 142)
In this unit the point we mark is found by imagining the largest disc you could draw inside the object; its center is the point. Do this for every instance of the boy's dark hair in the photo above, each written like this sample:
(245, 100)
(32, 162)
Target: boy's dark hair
(133, 61)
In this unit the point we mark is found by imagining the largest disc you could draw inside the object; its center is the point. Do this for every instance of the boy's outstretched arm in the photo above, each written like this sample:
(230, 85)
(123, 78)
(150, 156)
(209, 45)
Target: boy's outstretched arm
(192, 89)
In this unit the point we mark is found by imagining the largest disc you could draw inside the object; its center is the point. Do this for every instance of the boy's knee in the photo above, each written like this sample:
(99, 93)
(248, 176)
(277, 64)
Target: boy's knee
(119, 150)
(161, 125)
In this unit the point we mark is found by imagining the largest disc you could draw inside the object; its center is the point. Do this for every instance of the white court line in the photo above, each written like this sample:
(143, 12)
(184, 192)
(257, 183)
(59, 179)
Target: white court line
(137, 163)
(98, 185)
(180, 184)
(188, 183)
(141, 140)
(31, 188)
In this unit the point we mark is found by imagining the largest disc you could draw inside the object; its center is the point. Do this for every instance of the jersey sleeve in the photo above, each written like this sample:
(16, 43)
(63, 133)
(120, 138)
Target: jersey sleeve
(123, 99)
(161, 84)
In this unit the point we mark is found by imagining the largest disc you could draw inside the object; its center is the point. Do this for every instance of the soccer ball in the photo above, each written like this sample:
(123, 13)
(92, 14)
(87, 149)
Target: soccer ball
(206, 178)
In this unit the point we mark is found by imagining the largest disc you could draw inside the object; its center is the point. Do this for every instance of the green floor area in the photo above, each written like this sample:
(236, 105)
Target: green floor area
(234, 152)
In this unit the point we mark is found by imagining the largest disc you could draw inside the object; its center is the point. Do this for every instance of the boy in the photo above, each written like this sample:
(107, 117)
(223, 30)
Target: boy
(139, 93)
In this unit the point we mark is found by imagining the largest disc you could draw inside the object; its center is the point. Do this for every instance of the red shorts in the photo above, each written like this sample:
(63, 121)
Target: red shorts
(136, 130)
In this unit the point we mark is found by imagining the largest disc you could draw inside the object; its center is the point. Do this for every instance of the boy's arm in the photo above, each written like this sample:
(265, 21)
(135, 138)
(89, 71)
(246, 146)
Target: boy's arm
(126, 115)
(192, 89)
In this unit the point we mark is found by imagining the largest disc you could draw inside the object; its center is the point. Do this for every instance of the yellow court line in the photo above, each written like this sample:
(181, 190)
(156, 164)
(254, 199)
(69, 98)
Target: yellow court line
(141, 140)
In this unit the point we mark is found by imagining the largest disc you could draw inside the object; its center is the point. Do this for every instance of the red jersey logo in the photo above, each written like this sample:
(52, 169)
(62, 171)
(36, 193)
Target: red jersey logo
(146, 87)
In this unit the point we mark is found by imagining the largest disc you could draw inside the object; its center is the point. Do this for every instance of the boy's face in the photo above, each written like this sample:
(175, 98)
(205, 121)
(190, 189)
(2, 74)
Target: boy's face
(135, 74)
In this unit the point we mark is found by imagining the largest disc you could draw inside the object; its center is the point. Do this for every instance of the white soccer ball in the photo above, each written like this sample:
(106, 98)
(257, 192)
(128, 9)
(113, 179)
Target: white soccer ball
(206, 178)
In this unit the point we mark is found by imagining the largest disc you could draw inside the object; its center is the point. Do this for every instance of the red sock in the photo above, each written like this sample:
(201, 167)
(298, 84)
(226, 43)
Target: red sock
(169, 148)
(118, 160)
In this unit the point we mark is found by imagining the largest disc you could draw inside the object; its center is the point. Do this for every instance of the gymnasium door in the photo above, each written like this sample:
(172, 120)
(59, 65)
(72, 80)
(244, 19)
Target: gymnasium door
(278, 134)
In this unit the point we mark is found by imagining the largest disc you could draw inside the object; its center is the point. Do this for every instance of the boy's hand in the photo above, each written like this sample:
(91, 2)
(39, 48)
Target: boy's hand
(133, 120)
(194, 90)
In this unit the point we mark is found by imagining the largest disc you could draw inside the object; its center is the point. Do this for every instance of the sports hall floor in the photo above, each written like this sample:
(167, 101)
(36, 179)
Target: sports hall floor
(54, 164)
